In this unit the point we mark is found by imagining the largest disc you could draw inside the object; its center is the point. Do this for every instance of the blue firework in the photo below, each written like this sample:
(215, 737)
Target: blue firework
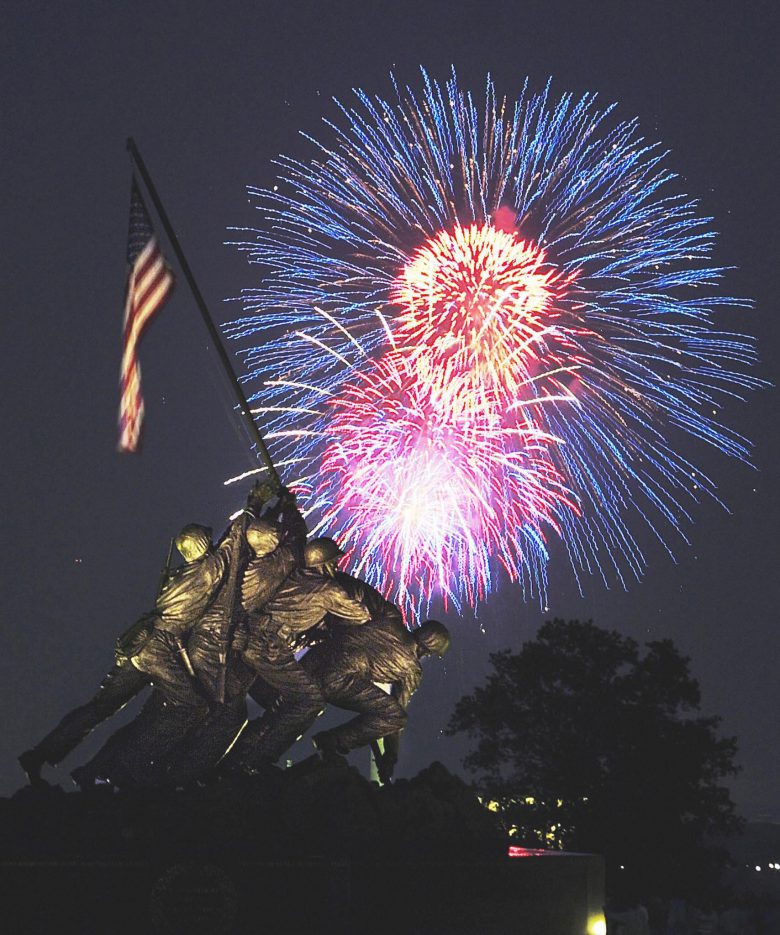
(627, 359)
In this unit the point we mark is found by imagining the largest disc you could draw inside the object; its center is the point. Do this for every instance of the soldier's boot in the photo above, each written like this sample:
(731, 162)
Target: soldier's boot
(32, 763)
(327, 744)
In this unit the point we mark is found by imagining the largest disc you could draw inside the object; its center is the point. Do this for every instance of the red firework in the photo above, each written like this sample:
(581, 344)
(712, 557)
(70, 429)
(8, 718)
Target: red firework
(480, 300)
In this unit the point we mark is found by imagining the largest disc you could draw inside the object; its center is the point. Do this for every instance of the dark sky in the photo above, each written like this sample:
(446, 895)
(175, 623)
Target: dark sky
(212, 92)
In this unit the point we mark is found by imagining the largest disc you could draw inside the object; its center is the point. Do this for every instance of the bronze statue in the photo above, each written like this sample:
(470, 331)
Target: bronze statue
(275, 548)
(350, 665)
(124, 681)
(343, 663)
(299, 606)
(233, 619)
(182, 654)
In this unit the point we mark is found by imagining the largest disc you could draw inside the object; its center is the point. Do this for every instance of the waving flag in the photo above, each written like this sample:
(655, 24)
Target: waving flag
(149, 282)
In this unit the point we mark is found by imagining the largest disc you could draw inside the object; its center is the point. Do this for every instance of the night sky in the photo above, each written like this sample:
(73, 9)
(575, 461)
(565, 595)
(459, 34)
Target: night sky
(212, 92)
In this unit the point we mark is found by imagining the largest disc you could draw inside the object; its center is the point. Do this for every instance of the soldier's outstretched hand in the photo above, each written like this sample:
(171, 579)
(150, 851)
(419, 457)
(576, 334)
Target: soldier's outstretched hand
(260, 494)
(289, 495)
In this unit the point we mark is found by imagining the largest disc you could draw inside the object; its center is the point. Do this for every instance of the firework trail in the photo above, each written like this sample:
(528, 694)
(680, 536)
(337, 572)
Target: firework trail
(530, 280)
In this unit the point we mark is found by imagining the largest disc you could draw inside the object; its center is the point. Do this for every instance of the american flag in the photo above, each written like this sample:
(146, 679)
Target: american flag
(149, 282)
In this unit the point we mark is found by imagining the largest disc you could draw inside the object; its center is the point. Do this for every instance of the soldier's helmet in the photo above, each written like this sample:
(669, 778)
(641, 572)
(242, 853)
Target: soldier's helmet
(321, 551)
(193, 542)
(262, 536)
(434, 636)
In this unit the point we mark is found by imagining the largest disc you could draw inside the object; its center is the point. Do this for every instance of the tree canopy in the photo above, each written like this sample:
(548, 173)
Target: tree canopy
(586, 743)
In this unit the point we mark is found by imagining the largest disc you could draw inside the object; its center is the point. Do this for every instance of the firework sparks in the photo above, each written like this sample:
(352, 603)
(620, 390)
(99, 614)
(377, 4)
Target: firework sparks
(417, 480)
(479, 300)
(540, 294)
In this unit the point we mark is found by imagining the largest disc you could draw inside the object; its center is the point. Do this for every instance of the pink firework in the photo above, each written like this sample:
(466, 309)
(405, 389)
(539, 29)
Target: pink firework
(425, 478)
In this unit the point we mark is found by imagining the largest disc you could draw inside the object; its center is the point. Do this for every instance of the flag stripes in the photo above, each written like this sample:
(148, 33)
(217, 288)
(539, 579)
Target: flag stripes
(149, 283)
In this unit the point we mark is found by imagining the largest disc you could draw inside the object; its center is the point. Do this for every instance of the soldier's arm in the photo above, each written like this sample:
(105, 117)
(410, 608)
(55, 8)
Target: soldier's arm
(189, 593)
(232, 542)
(176, 591)
(349, 610)
(292, 522)
(261, 493)
(292, 525)
(402, 691)
(408, 685)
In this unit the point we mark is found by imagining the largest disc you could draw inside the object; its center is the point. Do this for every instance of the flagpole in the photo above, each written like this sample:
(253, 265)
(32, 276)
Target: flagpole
(202, 307)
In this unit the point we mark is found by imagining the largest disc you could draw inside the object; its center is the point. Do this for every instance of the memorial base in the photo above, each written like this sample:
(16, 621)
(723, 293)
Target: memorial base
(309, 850)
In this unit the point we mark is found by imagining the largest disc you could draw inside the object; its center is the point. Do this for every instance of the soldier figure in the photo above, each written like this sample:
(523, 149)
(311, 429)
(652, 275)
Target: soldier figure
(186, 726)
(194, 594)
(189, 593)
(124, 681)
(275, 550)
(137, 752)
(353, 662)
(270, 643)
(232, 619)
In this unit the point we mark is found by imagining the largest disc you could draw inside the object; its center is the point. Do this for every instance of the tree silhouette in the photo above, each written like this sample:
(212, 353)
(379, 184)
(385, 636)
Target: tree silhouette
(584, 743)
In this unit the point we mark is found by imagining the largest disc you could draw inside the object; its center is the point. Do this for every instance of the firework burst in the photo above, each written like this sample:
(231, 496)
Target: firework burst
(541, 293)
(420, 481)
(479, 301)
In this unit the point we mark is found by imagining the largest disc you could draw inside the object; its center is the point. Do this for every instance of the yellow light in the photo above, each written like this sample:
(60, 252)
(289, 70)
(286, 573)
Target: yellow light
(597, 925)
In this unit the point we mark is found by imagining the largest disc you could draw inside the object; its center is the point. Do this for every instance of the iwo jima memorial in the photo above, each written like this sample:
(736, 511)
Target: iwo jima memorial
(189, 819)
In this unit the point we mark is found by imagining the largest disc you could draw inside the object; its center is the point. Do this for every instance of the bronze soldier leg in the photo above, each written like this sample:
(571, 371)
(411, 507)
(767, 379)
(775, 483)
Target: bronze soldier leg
(119, 687)
(203, 648)
(211, 739)
(379, 714)
(300, 700)
(263, 693)
(208, 742)
(138, 753)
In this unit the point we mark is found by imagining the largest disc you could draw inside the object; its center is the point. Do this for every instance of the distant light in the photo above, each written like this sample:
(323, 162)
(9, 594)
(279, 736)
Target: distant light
(622, 867)
(758, 868)
(526, 851)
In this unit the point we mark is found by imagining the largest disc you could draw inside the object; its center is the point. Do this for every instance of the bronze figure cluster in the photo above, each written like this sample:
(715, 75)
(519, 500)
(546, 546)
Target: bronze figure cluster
(266, 614)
